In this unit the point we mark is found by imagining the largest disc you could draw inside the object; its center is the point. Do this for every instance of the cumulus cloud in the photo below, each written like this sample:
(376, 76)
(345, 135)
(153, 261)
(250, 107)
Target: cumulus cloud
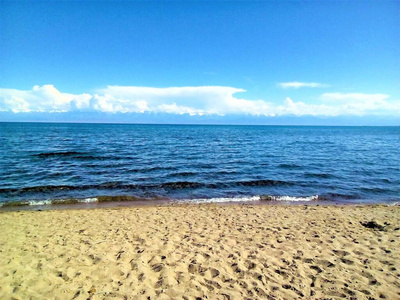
(201, 100)
(359, 103)
(178, 100)
(44, 98)
(297, 84)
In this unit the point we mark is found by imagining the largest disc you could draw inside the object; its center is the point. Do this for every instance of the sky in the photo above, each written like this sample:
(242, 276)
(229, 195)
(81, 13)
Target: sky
(256, 62)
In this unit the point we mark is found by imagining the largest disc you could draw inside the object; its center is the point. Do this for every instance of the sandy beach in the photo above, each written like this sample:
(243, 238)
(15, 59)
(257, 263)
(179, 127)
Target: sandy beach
(202, 252)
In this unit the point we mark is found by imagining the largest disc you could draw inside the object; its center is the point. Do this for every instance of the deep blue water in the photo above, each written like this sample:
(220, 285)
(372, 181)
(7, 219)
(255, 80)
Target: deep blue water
(41, 161)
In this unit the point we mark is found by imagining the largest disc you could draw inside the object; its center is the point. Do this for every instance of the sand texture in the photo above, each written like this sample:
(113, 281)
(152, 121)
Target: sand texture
(202, 252)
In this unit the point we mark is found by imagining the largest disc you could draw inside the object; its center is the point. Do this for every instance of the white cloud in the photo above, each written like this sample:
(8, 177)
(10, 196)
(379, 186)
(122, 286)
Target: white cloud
(359, 103)
(192, 100)
(297, 84)
(44, 98)
(201, 100)
(16, 104)
(290, 107)
(357, 97)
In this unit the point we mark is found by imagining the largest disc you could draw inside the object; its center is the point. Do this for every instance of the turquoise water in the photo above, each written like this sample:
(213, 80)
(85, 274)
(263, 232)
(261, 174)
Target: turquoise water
(42, 162)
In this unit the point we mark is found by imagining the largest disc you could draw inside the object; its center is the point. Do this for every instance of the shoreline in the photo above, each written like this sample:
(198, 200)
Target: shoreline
(174, 203)
(188, 251)
(132, 201)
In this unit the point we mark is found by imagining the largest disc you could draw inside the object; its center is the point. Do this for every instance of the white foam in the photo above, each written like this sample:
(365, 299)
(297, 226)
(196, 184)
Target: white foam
(50, 202)
(252, 198)
(291, 198)
(61, 201)
(40, 202)
(221, 200)
(89, 200)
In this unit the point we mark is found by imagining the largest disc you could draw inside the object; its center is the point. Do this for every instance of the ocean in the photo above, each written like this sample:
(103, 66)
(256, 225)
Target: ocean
(43, 163)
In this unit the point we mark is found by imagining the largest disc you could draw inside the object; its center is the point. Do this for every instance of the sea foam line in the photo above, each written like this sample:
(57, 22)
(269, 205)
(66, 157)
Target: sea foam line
(221, 200)
(131, 198)
(253, 198)
(47, 202)
(289, 198)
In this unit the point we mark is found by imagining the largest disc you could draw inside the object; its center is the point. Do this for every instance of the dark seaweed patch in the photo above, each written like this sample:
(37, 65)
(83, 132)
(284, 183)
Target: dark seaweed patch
(56, 154)
(16, 203)
(263, 183)
(65, 201)
(123, 186)
(181, 185)
(41, 188)
(121, 198)
(337, 196)
(289, 166)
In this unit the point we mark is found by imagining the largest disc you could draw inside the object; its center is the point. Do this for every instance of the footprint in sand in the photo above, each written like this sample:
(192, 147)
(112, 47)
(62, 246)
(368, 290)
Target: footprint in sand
(341, 253)
(282, 273)
(289, 287)
(214, 272)
(157, 267)
(250, 265)
(347, 261)
(316, 268)
(325, 263)
(159, 282)
(308, 260)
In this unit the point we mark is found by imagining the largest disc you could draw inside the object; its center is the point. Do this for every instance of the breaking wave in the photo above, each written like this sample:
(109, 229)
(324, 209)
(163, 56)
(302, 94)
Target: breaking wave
(125, 198)
(173, 185)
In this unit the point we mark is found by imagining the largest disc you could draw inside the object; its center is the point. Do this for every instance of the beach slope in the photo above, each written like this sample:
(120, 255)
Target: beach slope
(202, 252)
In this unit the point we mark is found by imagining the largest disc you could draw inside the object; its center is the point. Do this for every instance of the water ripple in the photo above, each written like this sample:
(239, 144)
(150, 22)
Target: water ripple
(56, 161)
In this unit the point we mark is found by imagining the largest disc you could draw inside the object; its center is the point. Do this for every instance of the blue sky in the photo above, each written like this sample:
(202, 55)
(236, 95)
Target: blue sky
(320, 59)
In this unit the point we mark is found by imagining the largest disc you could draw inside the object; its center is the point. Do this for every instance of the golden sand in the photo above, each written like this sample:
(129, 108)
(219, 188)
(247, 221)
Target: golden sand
(201, 252)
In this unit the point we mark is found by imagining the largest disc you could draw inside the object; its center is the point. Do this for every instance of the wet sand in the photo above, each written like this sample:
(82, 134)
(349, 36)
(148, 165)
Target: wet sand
(202, 252)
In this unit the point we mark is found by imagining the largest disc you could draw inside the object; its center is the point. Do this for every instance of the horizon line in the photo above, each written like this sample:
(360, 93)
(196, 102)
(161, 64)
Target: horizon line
(192, 124)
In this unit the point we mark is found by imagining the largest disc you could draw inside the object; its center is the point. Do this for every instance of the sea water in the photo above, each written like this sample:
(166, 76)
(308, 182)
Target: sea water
(43, 163)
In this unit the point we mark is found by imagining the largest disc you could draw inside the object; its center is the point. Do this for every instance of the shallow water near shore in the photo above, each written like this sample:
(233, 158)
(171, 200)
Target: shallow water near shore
(43, 164)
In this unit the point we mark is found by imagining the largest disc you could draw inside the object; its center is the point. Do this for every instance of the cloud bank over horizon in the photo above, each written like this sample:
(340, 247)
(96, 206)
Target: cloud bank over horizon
(297, 85)
(197, 100)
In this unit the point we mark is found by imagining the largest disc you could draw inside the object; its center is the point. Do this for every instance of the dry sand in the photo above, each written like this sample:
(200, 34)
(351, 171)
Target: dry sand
(201, 252)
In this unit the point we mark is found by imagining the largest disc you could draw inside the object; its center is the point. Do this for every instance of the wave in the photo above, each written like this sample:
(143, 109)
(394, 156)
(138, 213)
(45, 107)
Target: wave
(41, 188)
(337, 196)
(184, 174)
(288, 198)
(289, 166)
(47, 202)
(99, 199)
(180, 185)
(123, 198)
(374, 189)
(227, 172)
(264, 182)
(172, 185)
(57, 154)
(82, 156)
(223, 200)
(256, 198)
(127, 198)
(318, 175)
